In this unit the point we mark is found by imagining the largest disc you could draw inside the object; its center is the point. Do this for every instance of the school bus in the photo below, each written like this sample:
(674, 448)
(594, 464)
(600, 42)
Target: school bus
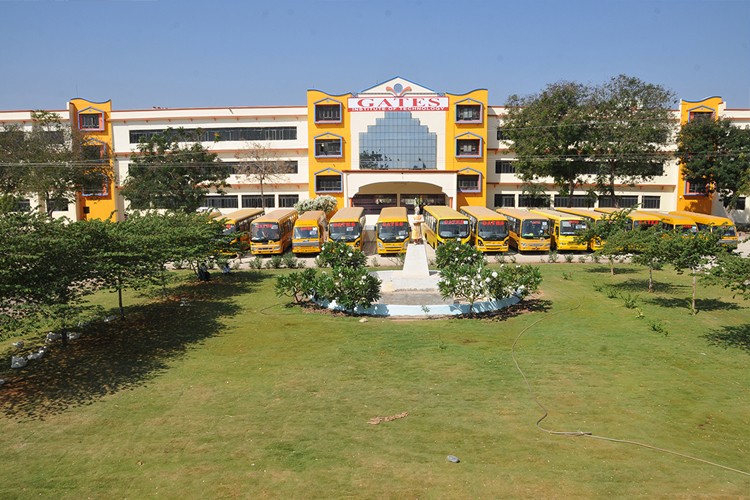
(565, 229)
(238, 223)
(271, 234)
(348, 225)
(712, 223)
(310, 232)
(442, 224)
(677, 223)
(489, 229)
(529, 232)
(593, 217)
(638, 219)
(392, 231)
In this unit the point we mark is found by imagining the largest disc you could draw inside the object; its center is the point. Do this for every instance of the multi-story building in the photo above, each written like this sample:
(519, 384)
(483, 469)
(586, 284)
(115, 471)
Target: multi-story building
(394, 144)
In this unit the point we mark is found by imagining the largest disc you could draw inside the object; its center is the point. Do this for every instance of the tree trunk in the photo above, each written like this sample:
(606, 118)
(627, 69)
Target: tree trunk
(650, 279)
(119, 298)
(41, 200)
(612, 266)
(695, 284)
(262, 195)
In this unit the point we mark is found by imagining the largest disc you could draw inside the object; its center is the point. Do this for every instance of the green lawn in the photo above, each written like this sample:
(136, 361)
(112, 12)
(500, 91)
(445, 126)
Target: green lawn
(237, 395)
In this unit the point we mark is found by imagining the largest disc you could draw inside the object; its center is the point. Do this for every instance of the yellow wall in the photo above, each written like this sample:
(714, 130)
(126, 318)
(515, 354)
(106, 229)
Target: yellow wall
(341, 129)
(99, 207)
(701, 204)
(453, 130)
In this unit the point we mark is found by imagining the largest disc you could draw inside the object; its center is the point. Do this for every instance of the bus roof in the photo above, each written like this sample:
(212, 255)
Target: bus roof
(482, 213)
(555, 214)
(311, 216)
(444, 212)
(393, 213)
(244, 213)
(582, 212)
(519, 213)
(675, 219)
(710, 220)
(632, 215)
(277, 215)
(348, 214)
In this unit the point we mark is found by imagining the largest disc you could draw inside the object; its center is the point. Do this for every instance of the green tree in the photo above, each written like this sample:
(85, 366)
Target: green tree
(172, 170)
(550, 134)
(716, 154)
(339, 254)
(632, 126)
(49, 160)
(732, 272)
(612, 231)
(691, 253)
(261, 164)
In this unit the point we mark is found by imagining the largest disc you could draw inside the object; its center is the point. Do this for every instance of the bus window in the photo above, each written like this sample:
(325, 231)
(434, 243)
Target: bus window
(535, 229)
(572, 227)
(492, 229)
(453, 228)
(265, 231)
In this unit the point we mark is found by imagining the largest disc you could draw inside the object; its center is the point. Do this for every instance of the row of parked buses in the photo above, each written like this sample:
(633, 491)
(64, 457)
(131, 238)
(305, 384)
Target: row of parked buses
(524, 230)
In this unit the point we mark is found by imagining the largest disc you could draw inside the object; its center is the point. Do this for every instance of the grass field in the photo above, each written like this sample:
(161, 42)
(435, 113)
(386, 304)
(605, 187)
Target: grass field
(238, 395)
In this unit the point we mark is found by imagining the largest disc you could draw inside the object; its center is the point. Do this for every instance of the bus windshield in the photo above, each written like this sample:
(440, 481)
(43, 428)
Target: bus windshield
(229, 228)
(453, 228)
(306, 232)
(572, 227)
(535, 229)
(265, 231)
(344, 231)
(644, 224)
(492, 230)
(393, 231)
(728, 231)
(686, 228)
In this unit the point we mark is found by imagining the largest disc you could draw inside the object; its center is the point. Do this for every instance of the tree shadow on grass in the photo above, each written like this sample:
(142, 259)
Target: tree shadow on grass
(606, 270)
(523, 307)
(700, 304)
(731, 336)
(641, 285)
(116, 355)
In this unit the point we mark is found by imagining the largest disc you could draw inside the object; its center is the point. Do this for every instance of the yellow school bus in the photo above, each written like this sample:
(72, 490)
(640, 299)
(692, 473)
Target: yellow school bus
(489, 229)
(529, 232)
(593, 217)
(271, 234)
(348, 225)
(705, 222)
(238, 223)
(565, 229)
(677, 223)
(310, 232)
(442, 224)
(392, 231)
(638, 219)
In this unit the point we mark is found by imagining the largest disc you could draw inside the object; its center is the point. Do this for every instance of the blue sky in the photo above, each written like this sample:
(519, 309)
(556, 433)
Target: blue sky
(186, 53)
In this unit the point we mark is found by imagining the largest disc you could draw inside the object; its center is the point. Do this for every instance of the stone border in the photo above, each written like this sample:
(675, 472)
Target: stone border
(425, 311)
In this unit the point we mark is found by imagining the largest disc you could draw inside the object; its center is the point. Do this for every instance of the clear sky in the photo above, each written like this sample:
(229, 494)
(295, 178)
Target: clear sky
(188, 53)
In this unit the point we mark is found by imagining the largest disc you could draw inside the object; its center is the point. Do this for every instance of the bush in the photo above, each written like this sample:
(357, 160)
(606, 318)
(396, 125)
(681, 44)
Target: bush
(274, 262)
(339, 254)
(290, 260)
(454, 253)
(256, 263)
(300, 286)
(568, 258)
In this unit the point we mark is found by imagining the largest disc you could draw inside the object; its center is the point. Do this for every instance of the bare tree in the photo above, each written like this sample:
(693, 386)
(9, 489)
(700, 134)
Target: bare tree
(261, 164)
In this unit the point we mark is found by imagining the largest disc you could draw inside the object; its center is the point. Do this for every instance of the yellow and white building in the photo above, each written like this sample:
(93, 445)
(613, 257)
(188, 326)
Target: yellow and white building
(394, 144)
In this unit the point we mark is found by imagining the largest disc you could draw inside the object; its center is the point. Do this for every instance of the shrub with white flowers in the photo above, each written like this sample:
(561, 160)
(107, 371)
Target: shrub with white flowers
(464, 275)
(339, 254)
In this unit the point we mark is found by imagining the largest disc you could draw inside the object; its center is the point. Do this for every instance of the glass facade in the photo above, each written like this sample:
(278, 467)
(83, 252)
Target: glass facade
(398, 141)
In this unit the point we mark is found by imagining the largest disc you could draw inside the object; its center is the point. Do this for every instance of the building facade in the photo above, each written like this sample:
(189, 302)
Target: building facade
(397, 143)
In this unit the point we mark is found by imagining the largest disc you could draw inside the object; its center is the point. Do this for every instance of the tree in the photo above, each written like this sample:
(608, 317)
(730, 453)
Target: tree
(716, 154)
(50, 160)
(733, 272)
(168, 173)
(692, 253)
(325, 203)
(261, 164)
(611, 230)
(632, 124)
(551, 134)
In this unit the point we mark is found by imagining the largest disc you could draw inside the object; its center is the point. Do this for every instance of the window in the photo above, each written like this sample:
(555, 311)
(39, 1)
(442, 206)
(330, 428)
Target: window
(288, 200)
(622, 201)
(469, 148)
(57, 205)
(94, 153)
(95, 184)
(740, 203)
(220, 201)
(328, 113)
(504, 167)
(577, 201)
(534, 201)
(254, 201)
(471, 113)
(91, 121)
(23, 205)
(505, 200)
(328, 184)
(397, 141)
(328, 148)
(651, 202)
(500, 135)
(700, 116)
(470, 183)
(220, 134)
(695, 188)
